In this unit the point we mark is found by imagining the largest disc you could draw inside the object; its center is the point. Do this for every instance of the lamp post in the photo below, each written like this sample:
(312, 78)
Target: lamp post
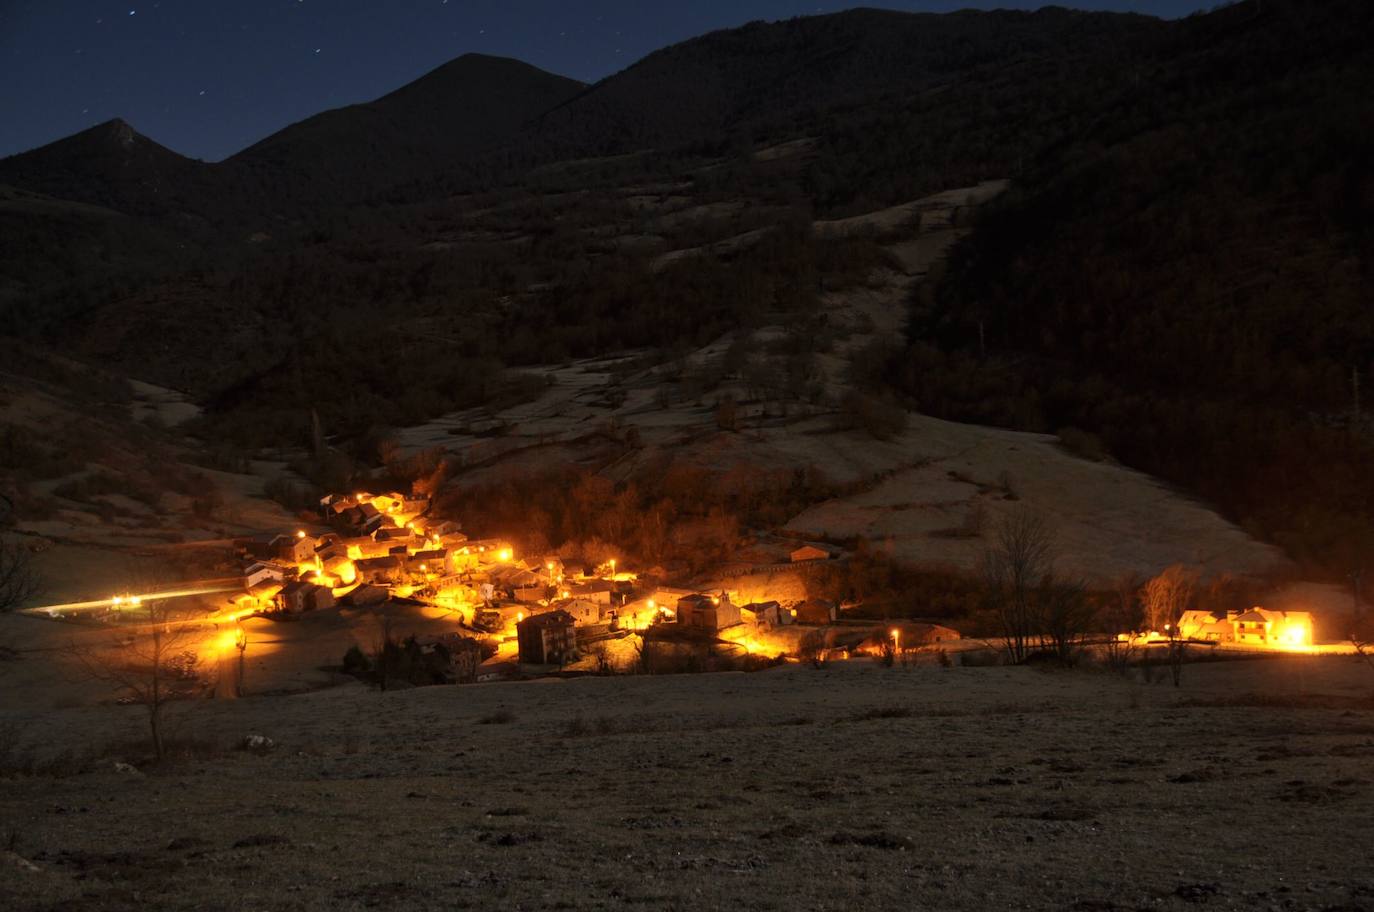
(240, 643)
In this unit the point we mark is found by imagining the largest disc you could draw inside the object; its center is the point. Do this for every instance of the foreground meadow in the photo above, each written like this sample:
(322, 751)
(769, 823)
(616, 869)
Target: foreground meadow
(855, 786)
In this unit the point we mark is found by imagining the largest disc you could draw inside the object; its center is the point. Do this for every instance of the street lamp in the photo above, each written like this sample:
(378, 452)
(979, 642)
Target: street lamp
(240, 643)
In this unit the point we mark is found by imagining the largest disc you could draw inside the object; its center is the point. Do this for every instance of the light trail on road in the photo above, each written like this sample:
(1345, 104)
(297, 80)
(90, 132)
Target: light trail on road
(131, 601)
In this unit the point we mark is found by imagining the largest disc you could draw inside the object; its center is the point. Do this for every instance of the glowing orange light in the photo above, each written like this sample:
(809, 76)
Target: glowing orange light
(300, 533)
(504, 554)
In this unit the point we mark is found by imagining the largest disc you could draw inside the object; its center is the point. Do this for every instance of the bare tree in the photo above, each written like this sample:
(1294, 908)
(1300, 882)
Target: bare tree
(18, 578)
(1020, 558)
(1065, 615)
(155, 667)
(1361, 631)
(1121, 619)
(1165, 597)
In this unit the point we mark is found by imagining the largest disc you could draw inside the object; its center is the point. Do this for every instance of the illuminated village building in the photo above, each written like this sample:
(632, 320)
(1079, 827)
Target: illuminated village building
(333, 560)
(255, 573)
(765, 614)
(585, 613)
(300, 596)
(535, 593)
(598, 591)
(1261, 627)
(707, 612)
(395, 535)
(423, 563)
(808, 552)
(363, 519)
(366, 595)
(547, 639)
(380, 571)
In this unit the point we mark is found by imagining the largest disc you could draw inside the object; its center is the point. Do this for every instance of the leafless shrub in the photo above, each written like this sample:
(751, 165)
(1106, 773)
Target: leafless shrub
(1362, 633)
(1065, 617)
(1021, 556)
(1121, 619)
(155, 669)
(18, 578)
(1164, 599)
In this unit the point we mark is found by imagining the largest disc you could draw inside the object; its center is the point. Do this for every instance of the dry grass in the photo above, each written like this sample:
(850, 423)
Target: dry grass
(963, 788)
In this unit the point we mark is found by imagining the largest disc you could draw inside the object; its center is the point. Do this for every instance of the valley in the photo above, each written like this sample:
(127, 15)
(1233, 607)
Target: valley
(870, 458)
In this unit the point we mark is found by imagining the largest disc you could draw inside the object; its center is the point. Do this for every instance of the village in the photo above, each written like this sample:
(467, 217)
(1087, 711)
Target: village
(506, 616)
(514, 615)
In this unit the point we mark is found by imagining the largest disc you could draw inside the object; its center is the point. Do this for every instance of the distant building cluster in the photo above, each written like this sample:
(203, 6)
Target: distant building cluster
(381, 547)
(1255, 627)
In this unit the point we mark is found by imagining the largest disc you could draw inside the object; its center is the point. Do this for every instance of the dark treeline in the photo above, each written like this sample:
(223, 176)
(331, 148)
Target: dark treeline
(671, 513)
(1192, 286)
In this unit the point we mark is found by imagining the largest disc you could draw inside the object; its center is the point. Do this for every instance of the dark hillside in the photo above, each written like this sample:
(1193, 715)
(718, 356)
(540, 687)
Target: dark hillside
(770, 77)
(1189, 279)
(900, 104)
(452, 113)
(63, 258)
(113, 165)
(1181, 269)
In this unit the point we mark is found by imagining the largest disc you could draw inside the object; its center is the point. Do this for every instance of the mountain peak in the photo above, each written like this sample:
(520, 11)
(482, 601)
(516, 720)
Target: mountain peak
(120, 131)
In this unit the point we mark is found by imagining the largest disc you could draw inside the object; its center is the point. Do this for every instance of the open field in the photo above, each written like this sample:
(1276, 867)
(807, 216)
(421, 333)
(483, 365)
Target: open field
(854, 786)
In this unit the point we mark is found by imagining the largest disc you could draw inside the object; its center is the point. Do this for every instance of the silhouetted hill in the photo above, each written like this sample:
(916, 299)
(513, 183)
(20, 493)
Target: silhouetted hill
(775, 77)
(113, 165)
(330, 160)
(451, 113)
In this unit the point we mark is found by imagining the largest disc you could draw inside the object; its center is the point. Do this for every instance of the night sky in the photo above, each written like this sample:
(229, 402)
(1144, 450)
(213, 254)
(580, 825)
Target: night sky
(209, 77)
